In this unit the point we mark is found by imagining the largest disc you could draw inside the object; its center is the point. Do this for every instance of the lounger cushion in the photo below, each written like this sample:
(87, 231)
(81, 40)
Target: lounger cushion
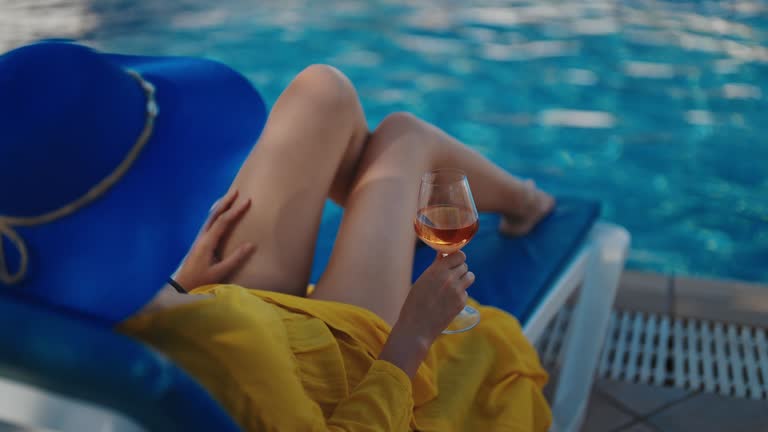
(83, 359)
(511, 273)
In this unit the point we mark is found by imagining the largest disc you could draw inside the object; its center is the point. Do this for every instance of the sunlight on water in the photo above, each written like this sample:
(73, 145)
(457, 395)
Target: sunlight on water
(658, 108)
(25, 21)
(575, 118)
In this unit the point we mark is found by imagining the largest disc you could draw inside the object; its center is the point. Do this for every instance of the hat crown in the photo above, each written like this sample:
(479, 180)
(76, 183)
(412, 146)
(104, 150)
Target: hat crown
(68, 117)
(72, 120)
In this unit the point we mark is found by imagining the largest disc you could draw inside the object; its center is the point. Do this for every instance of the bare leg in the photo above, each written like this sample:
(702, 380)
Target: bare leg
(373, 255)
(308, 151)
(494, 189)
(316, 144)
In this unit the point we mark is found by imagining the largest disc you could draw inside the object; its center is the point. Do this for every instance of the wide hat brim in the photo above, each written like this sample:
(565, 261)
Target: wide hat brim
(108, 259)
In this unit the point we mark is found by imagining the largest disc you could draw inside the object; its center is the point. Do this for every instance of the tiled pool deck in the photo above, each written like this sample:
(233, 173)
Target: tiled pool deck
(622, 406)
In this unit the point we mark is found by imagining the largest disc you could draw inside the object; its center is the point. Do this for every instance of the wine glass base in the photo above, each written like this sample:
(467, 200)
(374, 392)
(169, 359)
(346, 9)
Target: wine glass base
(467, 319)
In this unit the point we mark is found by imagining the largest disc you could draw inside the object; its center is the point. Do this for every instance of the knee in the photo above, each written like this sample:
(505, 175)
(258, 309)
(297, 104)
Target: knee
(400, 121)
(326, 86)
(403, 133)
(400, 126)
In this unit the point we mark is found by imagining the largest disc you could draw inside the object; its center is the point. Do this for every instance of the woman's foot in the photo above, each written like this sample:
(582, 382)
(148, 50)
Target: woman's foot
(536, 205)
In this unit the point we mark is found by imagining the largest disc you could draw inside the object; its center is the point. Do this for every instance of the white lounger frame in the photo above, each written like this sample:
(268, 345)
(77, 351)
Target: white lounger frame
(596, 267)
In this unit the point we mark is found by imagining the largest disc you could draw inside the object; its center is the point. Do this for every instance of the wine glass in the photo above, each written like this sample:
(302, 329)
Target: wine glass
(446, 220)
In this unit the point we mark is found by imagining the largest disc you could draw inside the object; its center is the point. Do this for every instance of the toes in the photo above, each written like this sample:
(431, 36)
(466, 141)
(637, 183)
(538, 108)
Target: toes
(538, 205)
(513, 228)
(547, 203)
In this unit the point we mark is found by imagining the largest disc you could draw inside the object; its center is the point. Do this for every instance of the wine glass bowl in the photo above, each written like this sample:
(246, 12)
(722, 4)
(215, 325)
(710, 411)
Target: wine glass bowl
(445, 228)
(446, 220)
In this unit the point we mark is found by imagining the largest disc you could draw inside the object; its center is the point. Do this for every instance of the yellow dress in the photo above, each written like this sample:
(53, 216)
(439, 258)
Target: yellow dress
(278, 362)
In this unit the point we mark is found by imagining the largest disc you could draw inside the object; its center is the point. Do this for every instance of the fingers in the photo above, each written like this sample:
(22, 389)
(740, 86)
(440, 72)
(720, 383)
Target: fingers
(226, 221)
(453, 260)
(456, 270)
(461, 283)
(466, 280)
(463, 302)
(222, 205)
(460, 279)
(457, 290)
(460, 270)
(229, 264)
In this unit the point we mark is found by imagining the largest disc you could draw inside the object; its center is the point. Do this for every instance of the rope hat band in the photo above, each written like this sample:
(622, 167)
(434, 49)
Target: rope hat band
(7, 223)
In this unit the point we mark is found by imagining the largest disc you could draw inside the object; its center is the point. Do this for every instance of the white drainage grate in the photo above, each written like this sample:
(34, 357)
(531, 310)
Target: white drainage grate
(716, 357)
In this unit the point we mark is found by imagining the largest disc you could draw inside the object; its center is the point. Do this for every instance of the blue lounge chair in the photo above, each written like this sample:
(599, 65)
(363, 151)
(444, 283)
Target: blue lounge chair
(64, 372)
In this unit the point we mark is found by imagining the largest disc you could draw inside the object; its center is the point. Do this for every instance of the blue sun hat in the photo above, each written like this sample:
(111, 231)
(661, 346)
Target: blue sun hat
(108, 167)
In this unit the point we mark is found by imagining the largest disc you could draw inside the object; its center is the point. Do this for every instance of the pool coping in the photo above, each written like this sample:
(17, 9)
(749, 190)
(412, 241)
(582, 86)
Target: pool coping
(693, 297)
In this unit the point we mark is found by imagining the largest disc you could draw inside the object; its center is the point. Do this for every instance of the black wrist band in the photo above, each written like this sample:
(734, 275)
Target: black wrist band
(176, 285)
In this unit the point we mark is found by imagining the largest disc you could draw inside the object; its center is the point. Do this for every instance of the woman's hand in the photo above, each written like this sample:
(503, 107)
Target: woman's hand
(433, 302)
(203, 265)
(437, 296)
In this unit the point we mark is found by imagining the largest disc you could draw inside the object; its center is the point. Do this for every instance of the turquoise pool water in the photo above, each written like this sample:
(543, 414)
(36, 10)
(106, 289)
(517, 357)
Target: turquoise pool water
(660, 109)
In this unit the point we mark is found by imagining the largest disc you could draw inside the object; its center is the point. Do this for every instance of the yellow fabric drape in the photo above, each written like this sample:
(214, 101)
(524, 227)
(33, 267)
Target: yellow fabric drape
(286, 363)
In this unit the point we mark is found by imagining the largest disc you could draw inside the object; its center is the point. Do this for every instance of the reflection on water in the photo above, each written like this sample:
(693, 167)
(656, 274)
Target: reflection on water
(22, 21)
(577, 118)
(656, 107)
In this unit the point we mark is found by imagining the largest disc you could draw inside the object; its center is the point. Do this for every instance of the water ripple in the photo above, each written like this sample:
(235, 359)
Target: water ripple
(656, 107)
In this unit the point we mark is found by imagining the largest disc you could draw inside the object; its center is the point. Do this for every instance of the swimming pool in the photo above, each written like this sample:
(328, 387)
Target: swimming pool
(660, 109)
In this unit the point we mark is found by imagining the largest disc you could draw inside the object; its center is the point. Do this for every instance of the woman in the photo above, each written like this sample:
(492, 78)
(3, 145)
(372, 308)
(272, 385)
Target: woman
(92, 235)
(316, 144)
